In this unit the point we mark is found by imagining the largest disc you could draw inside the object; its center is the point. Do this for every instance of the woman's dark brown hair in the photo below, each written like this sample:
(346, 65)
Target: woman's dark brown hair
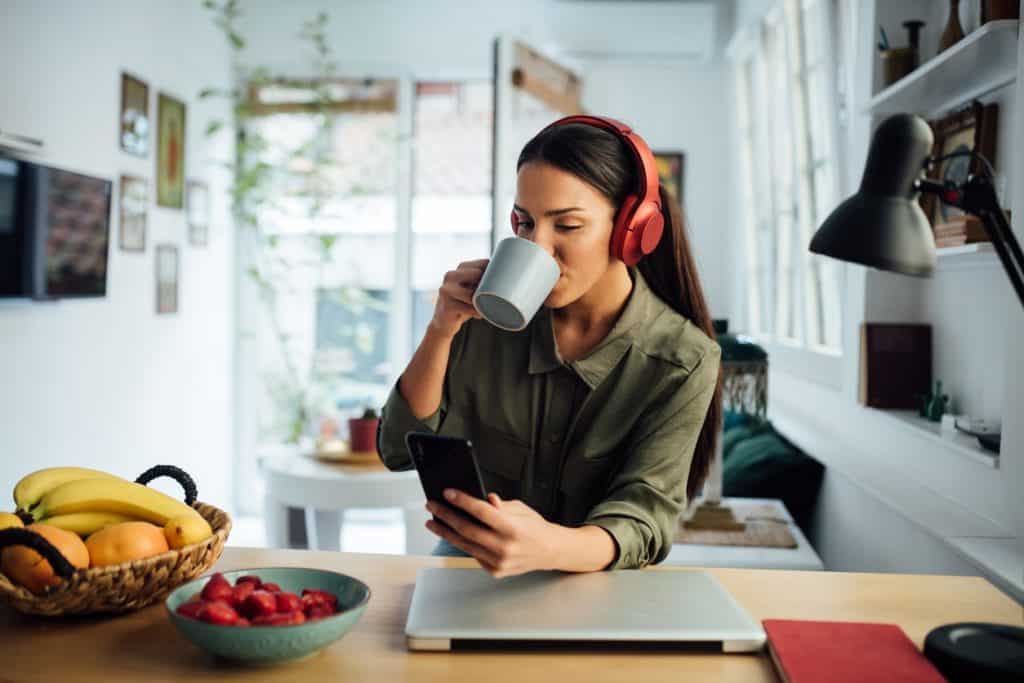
(600, 158)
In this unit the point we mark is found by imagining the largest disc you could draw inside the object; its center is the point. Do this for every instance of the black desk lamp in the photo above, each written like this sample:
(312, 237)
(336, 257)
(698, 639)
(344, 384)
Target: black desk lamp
(882, 226)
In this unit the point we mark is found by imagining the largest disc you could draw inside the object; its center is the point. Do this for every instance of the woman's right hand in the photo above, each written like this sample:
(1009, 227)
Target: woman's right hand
(455, 297)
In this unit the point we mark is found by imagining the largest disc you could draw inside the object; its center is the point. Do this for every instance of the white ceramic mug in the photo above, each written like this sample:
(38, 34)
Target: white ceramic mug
(515, 284)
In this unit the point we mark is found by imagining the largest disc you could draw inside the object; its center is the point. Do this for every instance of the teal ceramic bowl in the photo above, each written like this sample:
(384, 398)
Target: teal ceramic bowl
(272, 644)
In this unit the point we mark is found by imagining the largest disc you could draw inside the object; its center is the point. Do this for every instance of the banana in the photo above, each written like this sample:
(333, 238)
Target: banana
(183, 531)
(111, 495)
(34, 486)
(85, 523)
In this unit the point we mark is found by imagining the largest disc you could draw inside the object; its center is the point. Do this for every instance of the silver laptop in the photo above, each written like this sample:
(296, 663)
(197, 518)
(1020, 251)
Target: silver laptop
(456, 609)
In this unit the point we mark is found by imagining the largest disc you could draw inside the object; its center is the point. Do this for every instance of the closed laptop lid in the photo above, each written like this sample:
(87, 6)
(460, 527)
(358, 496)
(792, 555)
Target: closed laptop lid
(453, 606)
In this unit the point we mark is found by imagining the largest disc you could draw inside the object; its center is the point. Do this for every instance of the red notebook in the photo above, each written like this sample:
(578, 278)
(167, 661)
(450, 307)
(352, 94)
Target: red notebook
(845, 652)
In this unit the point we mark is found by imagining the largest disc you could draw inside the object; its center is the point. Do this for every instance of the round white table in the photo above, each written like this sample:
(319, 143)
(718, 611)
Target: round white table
(325, 490)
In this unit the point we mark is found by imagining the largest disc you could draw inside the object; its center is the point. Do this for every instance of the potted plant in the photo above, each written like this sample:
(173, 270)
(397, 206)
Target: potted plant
(362, 432)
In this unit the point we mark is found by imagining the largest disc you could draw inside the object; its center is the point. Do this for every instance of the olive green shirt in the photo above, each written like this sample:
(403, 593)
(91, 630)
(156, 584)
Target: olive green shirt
(605, 440)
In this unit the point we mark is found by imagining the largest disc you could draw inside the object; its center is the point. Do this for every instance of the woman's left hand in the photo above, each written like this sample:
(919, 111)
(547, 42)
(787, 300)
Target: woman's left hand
(510, 537)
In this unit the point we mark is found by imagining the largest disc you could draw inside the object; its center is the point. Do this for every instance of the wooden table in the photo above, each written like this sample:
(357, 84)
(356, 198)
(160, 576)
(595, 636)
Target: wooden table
(144, 646)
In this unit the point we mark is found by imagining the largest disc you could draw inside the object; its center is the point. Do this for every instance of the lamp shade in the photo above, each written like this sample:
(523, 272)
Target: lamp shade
(883, 226)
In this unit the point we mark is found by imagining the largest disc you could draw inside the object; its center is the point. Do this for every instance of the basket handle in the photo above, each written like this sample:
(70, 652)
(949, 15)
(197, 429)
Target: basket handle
(30, 539)
(175, 473)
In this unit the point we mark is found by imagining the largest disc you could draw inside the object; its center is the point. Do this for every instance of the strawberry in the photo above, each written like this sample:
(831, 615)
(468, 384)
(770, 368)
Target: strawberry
(217, 588)
(272, 620)
(288, 602)
(330, 599)
(318, 612)
(259, 603)
(240, 592)
(271, 587)
(249, 578)
(190, 609)
(243, 622)
(218, 612)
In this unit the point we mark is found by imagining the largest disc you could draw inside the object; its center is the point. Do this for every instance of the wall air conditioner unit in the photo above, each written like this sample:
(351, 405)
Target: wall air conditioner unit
(16, 142)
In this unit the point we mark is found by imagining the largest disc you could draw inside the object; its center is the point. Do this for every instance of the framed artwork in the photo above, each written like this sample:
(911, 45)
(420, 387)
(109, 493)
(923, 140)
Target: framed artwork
(134, 203)
(166, 278)
(670, 171)
(197, 207)
(134, 125)
(170, 152)
(970, 129)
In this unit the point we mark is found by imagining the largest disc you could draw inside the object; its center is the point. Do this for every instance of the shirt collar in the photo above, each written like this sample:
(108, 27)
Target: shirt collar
(603, 358)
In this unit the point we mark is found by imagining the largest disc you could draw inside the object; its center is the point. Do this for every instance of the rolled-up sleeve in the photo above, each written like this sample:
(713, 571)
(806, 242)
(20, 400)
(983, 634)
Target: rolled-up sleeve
(397, 418)
(646, 497)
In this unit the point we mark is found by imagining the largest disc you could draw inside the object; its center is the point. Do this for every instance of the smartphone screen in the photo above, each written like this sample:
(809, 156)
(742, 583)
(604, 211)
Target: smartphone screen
(445, 462)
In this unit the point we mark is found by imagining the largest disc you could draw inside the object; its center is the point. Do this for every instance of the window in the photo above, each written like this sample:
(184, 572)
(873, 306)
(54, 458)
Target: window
(353, 225)
(787, 116)
(451, 196)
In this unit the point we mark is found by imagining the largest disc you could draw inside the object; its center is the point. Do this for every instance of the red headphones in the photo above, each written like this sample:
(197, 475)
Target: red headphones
(638, 223)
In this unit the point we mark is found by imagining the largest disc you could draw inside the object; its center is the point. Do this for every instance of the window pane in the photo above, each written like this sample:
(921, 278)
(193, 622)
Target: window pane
(451, 204)
(324, 263)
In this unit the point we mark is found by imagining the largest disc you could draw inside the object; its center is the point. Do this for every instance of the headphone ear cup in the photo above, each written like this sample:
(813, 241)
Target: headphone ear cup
(620, 228)
(650, 224)
(515, 223)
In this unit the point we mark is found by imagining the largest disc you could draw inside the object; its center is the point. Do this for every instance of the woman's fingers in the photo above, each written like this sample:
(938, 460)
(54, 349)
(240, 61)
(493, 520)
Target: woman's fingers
(482, 555)
(482, 510)
(467, 528)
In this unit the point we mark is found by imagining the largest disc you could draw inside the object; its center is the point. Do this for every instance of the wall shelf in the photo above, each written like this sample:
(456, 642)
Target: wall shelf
(956, 442)
(983, 61)
(968, 257)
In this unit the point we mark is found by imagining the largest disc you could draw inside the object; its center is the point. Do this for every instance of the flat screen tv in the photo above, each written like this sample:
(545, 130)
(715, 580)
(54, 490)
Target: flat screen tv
(54, 231)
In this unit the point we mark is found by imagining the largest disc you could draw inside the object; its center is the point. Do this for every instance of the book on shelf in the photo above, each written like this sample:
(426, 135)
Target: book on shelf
(895, 365)
(967, 226)
(946, 242)
(837, 652)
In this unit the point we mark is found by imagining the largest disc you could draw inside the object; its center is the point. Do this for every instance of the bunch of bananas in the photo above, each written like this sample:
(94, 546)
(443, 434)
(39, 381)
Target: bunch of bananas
(85, 501)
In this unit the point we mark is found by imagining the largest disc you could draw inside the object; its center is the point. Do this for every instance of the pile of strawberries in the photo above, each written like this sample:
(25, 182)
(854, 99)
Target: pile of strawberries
(251, 602)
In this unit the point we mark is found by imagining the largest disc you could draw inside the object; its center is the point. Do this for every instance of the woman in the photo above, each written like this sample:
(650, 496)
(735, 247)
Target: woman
(596, 424)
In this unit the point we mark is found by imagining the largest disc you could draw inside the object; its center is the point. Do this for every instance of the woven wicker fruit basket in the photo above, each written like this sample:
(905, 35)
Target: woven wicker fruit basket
(116, 588)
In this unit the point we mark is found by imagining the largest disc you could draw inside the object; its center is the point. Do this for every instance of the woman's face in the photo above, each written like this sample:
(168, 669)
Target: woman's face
(570, 219)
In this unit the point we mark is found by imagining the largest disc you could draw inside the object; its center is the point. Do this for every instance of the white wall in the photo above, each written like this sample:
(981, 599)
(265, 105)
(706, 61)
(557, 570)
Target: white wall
(106, 382)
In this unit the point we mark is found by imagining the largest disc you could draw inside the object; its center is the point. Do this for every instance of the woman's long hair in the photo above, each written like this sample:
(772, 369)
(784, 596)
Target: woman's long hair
(600, 158)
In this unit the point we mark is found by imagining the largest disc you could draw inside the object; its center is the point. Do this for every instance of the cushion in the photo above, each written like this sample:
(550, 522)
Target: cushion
(759, 463)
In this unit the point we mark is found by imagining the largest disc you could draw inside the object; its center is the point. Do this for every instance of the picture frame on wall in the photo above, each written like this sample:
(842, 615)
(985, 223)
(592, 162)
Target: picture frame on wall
(134, 203)
(197, 208)
(973, 128)
(166, 279)
(134, 125)
(671, 166)
(170, 153)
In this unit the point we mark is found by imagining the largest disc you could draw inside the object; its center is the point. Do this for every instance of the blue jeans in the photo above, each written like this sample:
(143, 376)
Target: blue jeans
(446, 549)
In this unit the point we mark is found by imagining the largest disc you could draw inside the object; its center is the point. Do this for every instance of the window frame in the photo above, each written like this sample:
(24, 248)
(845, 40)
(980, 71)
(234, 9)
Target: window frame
(748, 52)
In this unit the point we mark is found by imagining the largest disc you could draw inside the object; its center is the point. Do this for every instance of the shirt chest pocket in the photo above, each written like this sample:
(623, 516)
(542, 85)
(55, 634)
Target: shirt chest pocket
(502, 459)
(584, 484)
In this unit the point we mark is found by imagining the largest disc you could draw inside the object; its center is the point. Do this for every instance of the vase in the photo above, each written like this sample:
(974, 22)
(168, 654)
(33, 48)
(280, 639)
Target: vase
(953, 32)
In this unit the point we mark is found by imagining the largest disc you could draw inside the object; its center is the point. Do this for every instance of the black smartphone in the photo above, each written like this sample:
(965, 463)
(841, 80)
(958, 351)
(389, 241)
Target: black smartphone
(445, 462)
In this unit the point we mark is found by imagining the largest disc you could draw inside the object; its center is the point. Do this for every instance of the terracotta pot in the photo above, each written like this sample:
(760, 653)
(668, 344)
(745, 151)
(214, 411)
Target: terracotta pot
(362, 434)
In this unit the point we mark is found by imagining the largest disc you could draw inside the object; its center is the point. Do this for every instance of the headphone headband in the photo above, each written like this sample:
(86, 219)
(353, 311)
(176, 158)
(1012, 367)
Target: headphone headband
(646, 166)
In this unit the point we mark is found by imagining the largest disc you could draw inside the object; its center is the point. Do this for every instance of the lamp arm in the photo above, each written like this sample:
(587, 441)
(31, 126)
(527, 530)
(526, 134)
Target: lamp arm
(977, 196)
